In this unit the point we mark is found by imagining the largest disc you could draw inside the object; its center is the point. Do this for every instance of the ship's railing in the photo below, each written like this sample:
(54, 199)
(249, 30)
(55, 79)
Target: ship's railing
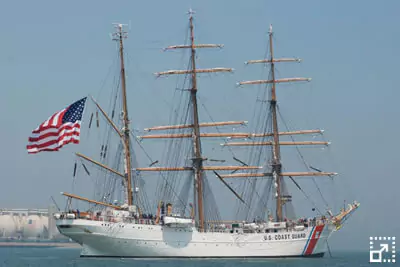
(308, 222)
(214, 227)
(104, 217)
(125, 219)
(291, 225)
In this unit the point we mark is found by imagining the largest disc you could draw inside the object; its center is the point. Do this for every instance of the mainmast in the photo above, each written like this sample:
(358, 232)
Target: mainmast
(197, 167)
(197, 160)
(119, 35)
(276, 163)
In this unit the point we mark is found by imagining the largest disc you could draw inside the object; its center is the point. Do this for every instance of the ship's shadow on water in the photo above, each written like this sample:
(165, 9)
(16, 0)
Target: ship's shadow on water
(60, 257)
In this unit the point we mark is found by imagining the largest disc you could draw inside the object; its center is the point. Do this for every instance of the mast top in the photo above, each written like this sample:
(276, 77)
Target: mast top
(191, 12)
(270, 29)
(119, 33)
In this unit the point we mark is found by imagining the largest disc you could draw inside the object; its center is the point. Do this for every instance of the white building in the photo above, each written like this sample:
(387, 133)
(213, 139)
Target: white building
(28, 224)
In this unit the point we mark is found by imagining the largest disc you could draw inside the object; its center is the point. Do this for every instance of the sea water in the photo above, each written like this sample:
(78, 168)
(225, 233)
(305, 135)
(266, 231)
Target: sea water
(60, 257)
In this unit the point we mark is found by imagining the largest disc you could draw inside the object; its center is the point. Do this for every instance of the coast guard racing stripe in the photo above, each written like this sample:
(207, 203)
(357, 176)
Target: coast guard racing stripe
(312, 242)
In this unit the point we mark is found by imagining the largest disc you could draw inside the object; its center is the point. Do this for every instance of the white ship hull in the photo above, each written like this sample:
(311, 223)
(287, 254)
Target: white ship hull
(107, 239)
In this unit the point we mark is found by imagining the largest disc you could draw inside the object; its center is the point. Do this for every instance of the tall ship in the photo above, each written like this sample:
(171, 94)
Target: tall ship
(182, 218)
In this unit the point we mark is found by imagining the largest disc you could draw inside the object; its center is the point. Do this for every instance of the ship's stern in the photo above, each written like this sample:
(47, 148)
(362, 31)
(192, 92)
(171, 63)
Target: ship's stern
(75, 229)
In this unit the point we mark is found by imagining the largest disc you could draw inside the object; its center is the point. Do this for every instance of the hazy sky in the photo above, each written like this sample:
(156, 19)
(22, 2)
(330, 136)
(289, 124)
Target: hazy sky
(53, 53)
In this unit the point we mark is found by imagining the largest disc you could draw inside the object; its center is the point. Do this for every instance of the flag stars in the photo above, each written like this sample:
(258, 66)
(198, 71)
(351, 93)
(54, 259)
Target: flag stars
(74, 112)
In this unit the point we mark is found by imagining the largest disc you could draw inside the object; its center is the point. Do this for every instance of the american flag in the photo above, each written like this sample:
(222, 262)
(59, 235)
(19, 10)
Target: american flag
(60, 129)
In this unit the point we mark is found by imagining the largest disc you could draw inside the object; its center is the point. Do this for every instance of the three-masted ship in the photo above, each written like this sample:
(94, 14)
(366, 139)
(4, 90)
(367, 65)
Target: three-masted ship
(189, 230)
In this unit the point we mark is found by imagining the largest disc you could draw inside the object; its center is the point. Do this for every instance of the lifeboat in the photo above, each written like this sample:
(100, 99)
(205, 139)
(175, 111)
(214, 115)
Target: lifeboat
(178, 222)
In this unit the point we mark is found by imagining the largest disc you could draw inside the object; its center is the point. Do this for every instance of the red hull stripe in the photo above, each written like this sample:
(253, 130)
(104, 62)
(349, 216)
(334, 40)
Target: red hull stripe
(308, 240)
(314, 239)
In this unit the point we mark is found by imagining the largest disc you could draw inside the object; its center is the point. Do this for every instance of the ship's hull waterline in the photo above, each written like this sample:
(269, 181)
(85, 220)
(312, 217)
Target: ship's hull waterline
(107, 239)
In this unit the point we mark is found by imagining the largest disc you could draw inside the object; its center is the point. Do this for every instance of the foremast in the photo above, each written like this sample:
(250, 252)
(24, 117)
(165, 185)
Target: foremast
(276, 162)
(276, 172)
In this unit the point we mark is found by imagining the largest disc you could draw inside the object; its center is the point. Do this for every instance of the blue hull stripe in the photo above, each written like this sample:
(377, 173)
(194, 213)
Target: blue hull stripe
(308, 241)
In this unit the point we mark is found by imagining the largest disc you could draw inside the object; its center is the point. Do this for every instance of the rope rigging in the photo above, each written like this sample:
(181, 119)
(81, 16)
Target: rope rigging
(162, 174)
(303, 159)
(262, 124)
